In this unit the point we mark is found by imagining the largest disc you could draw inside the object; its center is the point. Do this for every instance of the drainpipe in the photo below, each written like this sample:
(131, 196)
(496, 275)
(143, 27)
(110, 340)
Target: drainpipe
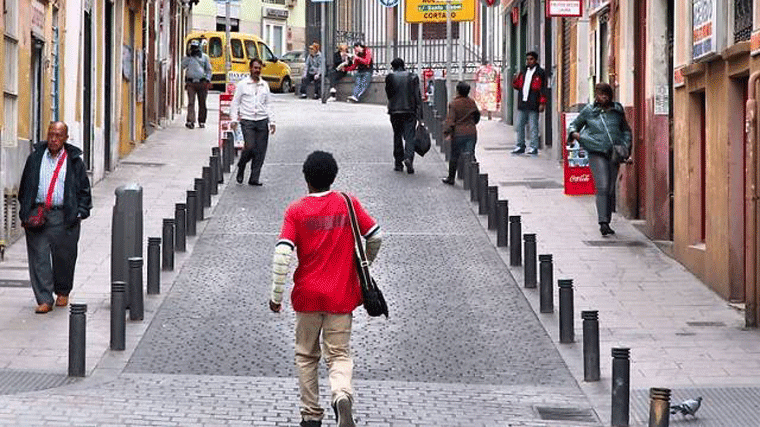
(753, 228)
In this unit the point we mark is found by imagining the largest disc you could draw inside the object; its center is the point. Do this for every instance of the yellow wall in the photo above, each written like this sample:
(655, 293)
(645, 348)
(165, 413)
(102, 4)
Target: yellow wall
(126, 144)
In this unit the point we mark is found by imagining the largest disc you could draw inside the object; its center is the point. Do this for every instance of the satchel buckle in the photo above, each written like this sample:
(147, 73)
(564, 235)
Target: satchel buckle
(364, 263)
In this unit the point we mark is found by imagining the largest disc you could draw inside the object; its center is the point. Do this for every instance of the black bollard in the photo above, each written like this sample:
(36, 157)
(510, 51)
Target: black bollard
(590, 345)
(491, 199)
(192, 199)
(466, 159)
(118, 316)
(659, 407)
(206, 176)
(546, 274)
(482, 194)
(621, 377)
(474, 173)
(168, 241)
(154, 265)
(566, 327)
(180, 223)
(200, 189)
(213, 180)
(215, 152)
(77, 339)
(515, 249)
(529, 271)
(135, 284)
(502, 222)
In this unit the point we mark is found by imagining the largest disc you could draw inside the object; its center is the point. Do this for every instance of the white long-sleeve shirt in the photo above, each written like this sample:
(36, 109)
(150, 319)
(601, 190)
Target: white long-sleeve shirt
(526, 84)
(252, 101)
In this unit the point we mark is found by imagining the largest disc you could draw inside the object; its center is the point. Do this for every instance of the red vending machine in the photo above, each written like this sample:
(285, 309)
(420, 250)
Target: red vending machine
(578, 178)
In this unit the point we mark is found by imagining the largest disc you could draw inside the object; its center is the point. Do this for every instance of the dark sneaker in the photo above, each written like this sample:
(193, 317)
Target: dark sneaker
(240, 174)
(189, 125)
(518, 150)
(201, 125)
(399, 167)
(311, 423)
(605, 229)
(255, 183)
(342, 408)
(532, 152)
(409, 167)
(447, 181)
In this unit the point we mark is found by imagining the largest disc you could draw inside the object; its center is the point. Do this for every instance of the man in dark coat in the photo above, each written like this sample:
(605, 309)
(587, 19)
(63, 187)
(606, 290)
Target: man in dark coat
(531, 100)
(55, 183)
(405, 109)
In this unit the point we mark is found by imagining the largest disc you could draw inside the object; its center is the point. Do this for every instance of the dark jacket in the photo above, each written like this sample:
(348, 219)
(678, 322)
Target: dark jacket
(77, 200)
(537, 93)
(462, 117)
(403, 91)
(593, 125)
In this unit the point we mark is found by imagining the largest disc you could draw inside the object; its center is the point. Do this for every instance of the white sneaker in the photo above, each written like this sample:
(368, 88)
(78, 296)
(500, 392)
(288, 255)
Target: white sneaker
(352, 99)
(332, 99)
(302, 96)
(333, 91)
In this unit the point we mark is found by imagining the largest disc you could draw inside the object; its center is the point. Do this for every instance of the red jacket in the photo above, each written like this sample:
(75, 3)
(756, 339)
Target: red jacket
(361, 63)
(537, 94)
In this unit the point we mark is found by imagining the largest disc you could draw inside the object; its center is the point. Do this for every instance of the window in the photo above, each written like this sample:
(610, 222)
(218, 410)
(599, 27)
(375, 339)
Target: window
(250, 49)
(237, 49)
(215, 48)
(742, 20)
(11, 66)
(10, 17)
(266, 54)
(274, 36)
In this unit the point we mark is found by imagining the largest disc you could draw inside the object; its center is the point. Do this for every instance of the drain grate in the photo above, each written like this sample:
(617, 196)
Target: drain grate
(618, 243)
(533, 184)
(133, 163)
(579, 415)
(703, 324)
(11, 283)
(12, 381)
(495, 148)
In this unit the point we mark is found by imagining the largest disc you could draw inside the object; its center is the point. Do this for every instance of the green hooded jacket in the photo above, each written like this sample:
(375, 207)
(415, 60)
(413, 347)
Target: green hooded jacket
(595, 137)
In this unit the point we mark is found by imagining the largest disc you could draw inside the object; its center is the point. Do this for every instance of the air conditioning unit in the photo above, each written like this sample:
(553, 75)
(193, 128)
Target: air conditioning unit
(291, 3)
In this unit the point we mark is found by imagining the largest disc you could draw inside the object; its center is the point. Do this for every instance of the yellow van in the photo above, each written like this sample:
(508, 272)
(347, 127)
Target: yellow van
(243, 48)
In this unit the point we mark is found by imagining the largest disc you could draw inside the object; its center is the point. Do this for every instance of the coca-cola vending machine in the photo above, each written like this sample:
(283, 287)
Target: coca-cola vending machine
(578, 178)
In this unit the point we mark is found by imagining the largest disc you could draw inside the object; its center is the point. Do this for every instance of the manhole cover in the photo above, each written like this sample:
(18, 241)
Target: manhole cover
(12, 382)
(12, 283)
(134, 163)
(705, 324)
(620, 243)
(566, 414)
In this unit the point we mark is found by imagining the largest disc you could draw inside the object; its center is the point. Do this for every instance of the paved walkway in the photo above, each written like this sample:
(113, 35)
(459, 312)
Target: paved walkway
(681, 334)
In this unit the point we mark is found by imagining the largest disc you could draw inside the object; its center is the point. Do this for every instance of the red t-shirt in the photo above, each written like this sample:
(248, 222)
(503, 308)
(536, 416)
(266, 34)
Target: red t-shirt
(320, 228)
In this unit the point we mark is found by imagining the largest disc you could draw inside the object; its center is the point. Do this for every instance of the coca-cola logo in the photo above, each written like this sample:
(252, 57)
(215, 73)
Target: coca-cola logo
(580, 178)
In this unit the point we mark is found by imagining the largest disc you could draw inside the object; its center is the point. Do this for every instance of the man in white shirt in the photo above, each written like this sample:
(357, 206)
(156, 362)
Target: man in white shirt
(252, 108)
(531, 100)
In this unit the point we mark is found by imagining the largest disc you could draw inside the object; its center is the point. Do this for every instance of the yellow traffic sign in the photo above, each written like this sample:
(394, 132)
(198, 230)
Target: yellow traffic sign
(435, 10)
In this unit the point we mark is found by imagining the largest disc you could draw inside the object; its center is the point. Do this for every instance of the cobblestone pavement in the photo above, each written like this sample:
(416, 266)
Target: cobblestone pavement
(462, 346)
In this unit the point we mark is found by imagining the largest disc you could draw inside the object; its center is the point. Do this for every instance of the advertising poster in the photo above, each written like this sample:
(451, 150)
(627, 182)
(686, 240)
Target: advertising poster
(488, 88)
(578, 178)
(225, 100)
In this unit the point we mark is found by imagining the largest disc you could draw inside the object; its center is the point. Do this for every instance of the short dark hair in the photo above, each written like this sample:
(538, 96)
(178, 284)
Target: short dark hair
(604, 89)
(360, 44)
(397, 64)
(250, 64)
(320, 170)
(533, 54)
(463, 89)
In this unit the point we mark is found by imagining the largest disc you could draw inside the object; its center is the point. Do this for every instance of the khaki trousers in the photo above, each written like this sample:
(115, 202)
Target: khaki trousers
(335, 330)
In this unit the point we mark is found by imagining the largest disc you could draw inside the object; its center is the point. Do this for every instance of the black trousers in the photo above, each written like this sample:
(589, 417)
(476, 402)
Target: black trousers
(52, 252)
(317, 85)
(256, 136)
(459, 145)
(404, 125)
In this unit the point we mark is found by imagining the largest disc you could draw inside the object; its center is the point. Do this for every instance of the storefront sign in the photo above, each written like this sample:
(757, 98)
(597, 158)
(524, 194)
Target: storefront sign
(704, 29)
(564, 8)
(38, 18)
(578, 178)
(423, 11)
(678, 78)
(270, 12)
(515, 15)
(662, 100)
(754, 43)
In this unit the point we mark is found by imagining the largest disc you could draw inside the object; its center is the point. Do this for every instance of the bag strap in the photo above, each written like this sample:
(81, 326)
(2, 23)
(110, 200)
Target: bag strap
(51, 187)
(363, 263)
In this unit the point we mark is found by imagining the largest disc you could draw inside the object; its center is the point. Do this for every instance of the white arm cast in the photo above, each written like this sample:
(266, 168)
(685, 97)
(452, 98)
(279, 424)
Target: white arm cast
(280, 270)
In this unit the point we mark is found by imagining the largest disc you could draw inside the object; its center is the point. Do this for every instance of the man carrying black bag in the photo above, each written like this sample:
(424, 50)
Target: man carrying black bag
(405, 109)
(326, 286)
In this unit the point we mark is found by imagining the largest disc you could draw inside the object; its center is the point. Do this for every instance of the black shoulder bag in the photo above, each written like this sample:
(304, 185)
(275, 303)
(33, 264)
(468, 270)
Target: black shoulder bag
(374, 302)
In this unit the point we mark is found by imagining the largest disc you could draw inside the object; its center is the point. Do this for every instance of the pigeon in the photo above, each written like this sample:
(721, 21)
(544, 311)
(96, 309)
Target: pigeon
(687, 407)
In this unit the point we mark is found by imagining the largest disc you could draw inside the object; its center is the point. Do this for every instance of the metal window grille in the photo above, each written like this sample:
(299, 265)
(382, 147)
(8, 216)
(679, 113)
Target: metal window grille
(11, 223)
(742, 20)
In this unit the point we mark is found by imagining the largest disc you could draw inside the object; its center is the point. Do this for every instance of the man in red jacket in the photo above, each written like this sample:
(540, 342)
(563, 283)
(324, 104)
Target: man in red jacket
(531, 100)
(326, 286)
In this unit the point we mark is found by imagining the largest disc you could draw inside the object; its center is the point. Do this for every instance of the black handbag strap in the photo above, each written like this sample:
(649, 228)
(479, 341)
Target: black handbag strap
(363, 263)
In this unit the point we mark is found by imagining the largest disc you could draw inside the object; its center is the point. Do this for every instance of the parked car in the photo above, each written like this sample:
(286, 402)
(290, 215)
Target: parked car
(243, 48)
(296, 59)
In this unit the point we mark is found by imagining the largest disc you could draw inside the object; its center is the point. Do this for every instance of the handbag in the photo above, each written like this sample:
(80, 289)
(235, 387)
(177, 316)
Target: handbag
(421, 140)
(37, 219)
(374, 302)
(620, 152)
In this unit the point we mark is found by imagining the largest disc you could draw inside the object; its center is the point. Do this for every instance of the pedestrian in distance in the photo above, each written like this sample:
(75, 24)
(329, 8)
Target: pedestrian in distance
(362, 63)
(597, 128)
(405, 108)
(54, 197)
(531, 100)
(197, 69)
(312, 71)
(341, 60)
(460, 127)
(252, 107)
(326, 286)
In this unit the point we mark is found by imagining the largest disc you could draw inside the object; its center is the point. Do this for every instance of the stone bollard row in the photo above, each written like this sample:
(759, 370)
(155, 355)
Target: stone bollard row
(529, 271)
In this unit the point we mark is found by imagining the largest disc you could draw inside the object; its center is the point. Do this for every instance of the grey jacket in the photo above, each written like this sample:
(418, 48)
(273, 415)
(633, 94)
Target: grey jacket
(197, 68)
(598, 129)
(313, 64)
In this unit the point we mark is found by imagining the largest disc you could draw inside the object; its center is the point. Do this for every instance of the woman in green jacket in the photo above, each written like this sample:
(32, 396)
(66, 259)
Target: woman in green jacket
(597, 128)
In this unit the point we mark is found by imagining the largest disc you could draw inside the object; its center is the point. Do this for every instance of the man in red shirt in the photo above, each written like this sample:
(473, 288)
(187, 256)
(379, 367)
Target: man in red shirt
(326, 286)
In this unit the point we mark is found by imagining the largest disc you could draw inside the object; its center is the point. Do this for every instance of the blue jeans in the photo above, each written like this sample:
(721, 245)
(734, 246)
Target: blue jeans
(527, 117)
(605, 174)
(363, 78)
